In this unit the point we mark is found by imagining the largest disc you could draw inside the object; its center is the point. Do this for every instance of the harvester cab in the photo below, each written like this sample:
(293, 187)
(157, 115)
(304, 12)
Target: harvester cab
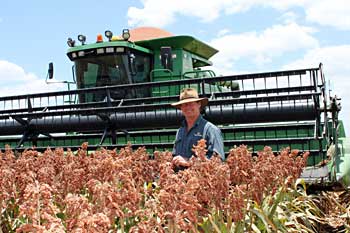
(125, 86)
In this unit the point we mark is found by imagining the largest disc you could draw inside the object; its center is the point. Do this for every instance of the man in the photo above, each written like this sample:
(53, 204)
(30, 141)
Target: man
(194, 128)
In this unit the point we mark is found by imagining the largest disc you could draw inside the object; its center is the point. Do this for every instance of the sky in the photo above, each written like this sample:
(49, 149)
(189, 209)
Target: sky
(251, 36)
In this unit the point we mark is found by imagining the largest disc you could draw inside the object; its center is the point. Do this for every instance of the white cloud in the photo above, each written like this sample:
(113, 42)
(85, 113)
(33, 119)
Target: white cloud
(335, 60)
(289, 17)
(223, 32)
(16, 81)
(334, 13)
(338, 56)
(154, 13)
(161, 13)
(261, 48)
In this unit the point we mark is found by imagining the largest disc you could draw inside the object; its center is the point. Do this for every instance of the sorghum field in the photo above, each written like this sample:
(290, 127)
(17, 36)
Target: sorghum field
(134, 191)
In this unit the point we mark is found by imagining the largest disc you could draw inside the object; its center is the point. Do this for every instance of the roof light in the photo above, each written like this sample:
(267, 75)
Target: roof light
(70, 42)
(81, 53)
(109, 35)
(109, 49)
(126, 34)
(120, 50)
(100, 51)
(82, 39)
(99, 38)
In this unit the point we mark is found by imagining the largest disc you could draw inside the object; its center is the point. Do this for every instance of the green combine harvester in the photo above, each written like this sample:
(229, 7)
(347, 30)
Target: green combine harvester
(125, 85)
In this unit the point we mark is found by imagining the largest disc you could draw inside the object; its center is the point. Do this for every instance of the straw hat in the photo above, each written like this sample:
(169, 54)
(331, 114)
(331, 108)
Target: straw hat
(188, 95)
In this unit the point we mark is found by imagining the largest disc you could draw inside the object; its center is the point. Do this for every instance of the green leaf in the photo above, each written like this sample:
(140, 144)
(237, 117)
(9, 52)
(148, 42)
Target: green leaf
(268, 224)
(61, 216)
(255, 228)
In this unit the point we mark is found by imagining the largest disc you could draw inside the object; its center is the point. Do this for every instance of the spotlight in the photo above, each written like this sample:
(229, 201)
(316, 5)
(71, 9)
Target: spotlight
(70, 42)
(109, 35)
(126, 34)
(82, 39)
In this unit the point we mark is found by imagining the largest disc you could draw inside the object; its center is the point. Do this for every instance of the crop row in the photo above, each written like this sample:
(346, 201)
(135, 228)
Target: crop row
(134, 191)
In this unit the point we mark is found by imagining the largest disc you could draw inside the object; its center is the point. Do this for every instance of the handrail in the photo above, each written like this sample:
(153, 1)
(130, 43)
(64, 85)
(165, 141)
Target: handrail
(197, 72)
(170, 98)
(152, 84)
(159, 70)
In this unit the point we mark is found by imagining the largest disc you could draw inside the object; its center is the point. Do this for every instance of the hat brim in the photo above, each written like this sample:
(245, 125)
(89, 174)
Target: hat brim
(204, 102)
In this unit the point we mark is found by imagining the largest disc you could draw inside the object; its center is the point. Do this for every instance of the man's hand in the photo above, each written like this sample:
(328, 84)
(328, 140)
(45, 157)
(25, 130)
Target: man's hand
(179, 161)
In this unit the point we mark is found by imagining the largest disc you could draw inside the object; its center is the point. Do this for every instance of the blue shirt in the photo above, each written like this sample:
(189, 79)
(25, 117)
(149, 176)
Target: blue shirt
(202, 128)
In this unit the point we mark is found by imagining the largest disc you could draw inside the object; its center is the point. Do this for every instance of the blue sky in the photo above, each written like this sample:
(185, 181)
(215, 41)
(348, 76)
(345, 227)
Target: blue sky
(251, 35)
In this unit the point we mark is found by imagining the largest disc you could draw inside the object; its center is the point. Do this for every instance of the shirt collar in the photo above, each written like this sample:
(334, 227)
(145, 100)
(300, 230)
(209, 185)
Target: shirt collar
(184, 123)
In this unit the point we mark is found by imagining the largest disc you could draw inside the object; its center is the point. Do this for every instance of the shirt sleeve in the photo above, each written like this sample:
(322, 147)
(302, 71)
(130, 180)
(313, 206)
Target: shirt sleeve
(176, 139)
(215, 142)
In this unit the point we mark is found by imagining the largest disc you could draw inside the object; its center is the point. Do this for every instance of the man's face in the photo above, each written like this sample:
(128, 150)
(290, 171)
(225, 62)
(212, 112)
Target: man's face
(191, 109)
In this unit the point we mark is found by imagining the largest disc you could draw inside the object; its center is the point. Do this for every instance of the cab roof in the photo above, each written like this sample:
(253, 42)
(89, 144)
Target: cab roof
(188, 43)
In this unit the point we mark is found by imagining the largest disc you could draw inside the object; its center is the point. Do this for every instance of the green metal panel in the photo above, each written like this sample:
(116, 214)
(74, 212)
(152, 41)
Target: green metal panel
(182, 62)
(176, 72)
(341, 130)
